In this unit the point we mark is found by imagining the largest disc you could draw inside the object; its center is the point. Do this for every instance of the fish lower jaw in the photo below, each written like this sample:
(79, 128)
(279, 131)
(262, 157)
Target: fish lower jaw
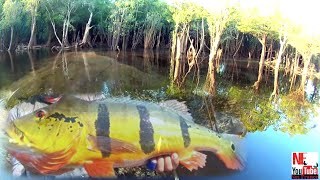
(19, 143)
(13, 141)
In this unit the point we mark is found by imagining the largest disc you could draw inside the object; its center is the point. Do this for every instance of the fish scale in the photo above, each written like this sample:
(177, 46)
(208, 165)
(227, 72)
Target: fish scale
(107, 134)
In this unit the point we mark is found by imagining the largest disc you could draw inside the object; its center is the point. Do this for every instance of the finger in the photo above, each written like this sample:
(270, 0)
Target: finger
(175, 160)
(160, 164)
(167, 163)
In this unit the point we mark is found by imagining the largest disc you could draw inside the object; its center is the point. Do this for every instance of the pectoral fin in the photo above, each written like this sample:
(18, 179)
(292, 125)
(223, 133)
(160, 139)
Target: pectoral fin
(99, 168)
(192, 160)
(108, 145)
(51, 163)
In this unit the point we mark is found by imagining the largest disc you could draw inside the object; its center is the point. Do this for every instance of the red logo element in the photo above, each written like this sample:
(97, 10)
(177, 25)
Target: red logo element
(298, 158)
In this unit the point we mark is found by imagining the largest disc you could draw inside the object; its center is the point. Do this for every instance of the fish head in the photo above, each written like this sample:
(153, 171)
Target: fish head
(49, 129)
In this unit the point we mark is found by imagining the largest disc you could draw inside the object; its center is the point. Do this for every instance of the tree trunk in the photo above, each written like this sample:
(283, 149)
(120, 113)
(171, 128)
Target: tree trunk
(179, 56)
(54, 27)
(159, 39)
(93, 41)
(11, 37)
(66, 22)
(306, 63)
(277, 66)
(238, 45)
(11, 61)
(86, 65)
(65, 40)
(202, 39)
(125, 38)
(293, 69)
(149, 37)
(86, 32)
(215, 35)
(199, 51)
(117, 28)
(32, 36)
(261, 62)
(49, 37)
(31, 62)
(173, 52)
(177, 60)
(115, 39)
(211, 76)
(109, 39)
(55, 33)
(148, 57)
(137, 36)
(183, 49)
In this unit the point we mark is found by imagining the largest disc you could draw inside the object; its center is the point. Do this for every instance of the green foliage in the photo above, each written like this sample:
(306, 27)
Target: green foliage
(230, 31)
(11, 14)
(43, 26)
(157, 13)
(185, 12)
(122, 13)
(101, 9)
(251, 22)
(1, 6)
(306, 44)
(135, 14)
(60, 8)
(31, 6)
(175, 92)
(297, 113)
(254, 110)
(257, 113)
(55, 12)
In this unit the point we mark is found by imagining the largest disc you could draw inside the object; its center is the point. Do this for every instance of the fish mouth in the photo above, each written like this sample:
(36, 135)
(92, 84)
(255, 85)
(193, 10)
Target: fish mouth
(16, 137)
(17, 143)
(15, 148)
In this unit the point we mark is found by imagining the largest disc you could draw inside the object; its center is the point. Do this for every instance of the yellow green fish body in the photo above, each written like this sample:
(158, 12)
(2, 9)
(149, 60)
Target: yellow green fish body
(110, 133)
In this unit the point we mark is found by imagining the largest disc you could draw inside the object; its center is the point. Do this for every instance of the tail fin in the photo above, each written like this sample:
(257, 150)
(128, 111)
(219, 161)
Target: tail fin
(235, 156)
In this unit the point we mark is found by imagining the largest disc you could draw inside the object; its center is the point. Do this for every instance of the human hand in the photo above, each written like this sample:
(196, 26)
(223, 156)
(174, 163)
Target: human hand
(164, 163)
(17, 168)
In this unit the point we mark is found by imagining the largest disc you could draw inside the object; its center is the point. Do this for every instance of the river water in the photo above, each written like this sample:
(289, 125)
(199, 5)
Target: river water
(274, 131)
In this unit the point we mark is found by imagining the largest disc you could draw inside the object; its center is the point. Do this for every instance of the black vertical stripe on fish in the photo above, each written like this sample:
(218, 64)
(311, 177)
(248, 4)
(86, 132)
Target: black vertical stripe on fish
(102, 126)
(147, 143)
(185, 132)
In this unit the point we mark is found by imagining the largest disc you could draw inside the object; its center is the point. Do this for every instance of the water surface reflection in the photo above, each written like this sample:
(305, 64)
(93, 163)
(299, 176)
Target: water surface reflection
(144, 75)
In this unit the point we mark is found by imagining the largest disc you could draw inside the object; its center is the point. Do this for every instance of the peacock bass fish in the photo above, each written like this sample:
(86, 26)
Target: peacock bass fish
(105, 134)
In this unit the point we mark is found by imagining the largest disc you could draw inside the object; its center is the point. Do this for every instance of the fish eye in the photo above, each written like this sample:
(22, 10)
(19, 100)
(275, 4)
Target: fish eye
(41, 113)
(232, 147)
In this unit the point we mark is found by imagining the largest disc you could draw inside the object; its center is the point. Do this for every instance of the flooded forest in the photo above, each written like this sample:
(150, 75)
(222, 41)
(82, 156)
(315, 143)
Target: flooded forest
(242, 67)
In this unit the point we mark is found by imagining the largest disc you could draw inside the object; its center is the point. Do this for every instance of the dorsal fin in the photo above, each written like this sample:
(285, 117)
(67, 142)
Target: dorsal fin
(98, 96)
(172, 105)
(70, 99)
(179, 107)
(90, 97)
